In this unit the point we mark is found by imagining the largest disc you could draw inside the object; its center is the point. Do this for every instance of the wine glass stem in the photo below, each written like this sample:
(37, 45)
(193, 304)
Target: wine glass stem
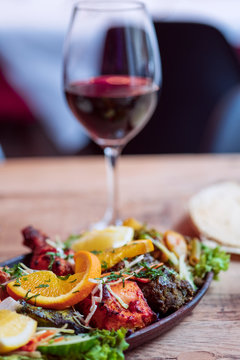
(111, 157)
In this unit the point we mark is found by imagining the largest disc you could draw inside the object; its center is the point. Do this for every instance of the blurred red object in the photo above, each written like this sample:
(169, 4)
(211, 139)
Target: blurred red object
(12, 107)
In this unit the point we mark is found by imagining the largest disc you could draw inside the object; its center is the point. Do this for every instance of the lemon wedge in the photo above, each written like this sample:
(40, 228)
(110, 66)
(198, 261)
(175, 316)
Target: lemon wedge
(15, 330)
(98, 240)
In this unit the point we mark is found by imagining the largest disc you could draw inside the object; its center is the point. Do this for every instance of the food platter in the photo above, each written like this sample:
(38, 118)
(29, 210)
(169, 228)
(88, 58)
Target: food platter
(157, 328)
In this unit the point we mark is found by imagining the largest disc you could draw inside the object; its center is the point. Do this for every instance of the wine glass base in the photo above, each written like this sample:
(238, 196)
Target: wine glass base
(106, 221)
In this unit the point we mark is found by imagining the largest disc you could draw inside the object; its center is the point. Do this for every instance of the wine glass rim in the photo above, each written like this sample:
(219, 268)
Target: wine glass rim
(109, 5)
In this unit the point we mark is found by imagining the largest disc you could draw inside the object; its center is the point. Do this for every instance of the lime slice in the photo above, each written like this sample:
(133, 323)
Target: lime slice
(98, 240)
(15, 330)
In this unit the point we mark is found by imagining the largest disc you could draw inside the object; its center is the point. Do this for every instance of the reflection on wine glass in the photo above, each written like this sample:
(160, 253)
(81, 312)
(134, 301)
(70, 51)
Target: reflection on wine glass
(112, 73)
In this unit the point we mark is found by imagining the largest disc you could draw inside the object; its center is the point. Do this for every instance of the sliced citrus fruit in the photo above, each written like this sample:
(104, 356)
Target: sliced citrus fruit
(15, 330)
(110, 237)
(112, 256)
(44, 288)
(133, 223)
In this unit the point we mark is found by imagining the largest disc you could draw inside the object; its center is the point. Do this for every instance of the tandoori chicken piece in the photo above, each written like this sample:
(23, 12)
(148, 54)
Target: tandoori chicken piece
(4, 277)
(45, 256)
(33, 238)
(111, 315)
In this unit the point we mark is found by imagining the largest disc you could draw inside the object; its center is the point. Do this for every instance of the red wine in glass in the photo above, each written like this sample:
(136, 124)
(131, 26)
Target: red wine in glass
(112, 108)
(112, 72)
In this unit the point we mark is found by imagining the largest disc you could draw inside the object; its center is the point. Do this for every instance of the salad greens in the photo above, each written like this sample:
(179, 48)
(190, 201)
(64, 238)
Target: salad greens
(214, 260)
(97, 345)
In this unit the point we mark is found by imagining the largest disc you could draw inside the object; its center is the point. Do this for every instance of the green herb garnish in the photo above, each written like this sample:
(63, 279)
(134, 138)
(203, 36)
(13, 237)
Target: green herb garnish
(149, 272)
(96, 252)
(72, 281)
(41, 286)
(26, 295)
(68, 242)
(33, 297)
(53, 256)
(15, 272)
(66, 277)
(68, 256)
(17, 282)
(104, 265)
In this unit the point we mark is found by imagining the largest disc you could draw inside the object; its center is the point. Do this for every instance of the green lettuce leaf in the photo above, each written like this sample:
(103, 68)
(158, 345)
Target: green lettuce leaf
(214, 260)
(113, 342)
(97, 345)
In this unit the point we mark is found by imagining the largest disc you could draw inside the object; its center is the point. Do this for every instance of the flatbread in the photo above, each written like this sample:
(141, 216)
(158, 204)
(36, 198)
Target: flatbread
(215, 212)
(212, 244)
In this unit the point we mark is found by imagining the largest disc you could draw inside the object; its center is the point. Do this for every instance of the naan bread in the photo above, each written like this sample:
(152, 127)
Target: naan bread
(215, 212)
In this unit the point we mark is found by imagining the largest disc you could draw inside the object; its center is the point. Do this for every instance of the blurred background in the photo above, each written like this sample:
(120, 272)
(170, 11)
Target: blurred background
(199, 104)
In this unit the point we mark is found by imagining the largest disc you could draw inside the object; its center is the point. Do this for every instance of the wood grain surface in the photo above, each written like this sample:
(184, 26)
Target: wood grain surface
(64, 196)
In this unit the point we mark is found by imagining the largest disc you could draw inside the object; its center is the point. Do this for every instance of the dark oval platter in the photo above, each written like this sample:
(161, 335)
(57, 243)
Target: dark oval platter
(152, 331)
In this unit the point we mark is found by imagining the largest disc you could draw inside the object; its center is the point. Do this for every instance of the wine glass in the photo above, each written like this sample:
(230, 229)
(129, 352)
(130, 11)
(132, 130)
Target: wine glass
(112, 73)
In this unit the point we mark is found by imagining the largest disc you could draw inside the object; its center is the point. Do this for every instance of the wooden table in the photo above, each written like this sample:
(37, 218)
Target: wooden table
(63, 196)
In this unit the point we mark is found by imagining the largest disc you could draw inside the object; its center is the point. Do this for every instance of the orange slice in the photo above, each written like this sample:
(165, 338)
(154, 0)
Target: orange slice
(44, 288)
(110, 257)
(133, 223)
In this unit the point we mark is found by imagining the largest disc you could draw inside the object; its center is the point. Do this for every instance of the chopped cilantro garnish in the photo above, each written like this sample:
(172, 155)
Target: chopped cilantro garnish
(68, 242)
(96, 252)
(33, 297)
(149, 272)
(104, 265)
(15, 272)
(52, 255)
(64, 277)
(72, 281)
(26, 295)
(17, 282)
(41, 286)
